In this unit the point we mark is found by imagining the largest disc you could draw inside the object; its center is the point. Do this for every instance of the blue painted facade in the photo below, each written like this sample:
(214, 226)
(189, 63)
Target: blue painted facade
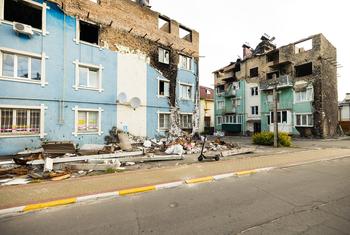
(59, 95)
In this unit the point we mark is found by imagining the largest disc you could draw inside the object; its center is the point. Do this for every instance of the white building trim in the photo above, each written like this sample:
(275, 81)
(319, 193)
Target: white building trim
(76, 109)
(76, 85)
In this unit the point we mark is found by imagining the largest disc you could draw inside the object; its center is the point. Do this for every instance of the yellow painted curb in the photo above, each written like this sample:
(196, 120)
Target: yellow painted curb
(50, 204)
(200, 180)
(240, 173)
(136, 190)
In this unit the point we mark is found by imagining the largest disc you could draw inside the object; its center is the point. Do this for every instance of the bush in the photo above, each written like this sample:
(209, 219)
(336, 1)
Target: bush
(266, 138)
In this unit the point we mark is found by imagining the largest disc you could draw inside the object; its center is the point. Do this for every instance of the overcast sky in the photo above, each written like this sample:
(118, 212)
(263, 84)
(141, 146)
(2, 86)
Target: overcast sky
(224, 25)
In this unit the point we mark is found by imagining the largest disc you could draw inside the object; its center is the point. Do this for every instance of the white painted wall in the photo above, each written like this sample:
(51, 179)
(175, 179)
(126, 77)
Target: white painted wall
(252, 101)
(132, 80)
(285, 126)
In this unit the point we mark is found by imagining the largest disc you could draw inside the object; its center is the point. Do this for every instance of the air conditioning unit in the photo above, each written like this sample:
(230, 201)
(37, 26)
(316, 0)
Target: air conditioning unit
(144, 3)
(23, 28)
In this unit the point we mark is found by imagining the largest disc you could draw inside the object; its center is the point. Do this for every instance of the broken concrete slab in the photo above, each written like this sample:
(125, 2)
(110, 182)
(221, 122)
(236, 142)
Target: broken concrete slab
(237, 151)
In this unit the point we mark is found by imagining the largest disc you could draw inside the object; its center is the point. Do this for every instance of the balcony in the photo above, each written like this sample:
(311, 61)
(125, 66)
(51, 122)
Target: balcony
(282, 82)
(230, 91)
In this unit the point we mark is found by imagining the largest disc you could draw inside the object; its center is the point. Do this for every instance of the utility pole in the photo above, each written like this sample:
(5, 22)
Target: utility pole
(275, 119)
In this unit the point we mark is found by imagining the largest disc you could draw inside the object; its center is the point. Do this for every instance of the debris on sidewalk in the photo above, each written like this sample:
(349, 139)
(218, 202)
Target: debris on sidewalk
(60, 160)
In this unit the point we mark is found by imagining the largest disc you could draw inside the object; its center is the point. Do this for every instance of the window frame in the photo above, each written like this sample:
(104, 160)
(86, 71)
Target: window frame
(188, 60)
(42, 109)
(254, 91)
(232, 119)
(181, 97)
(218, 107)
(77, 85)
(307, 119)
(165, 81)
(42, 57)
(217, 120)
(166, 60)
(254, 110)
(43, 7)
(279, 116)
(309, 95)
(182, 115)
(163, 128)
(77, 34)
(76, 110)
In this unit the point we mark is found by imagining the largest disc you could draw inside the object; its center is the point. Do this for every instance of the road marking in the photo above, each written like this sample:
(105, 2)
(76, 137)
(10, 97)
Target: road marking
(200, 180)
(136, 190)
(241, 173)
(49, 204)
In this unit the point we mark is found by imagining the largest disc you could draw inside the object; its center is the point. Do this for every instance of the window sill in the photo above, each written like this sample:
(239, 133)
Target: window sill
(87, 133)
(87, 88)
(24, 80)
(183, 99)
(187, 70)
(162, 96)
(19, 136)
(87, 44)
(304, 101)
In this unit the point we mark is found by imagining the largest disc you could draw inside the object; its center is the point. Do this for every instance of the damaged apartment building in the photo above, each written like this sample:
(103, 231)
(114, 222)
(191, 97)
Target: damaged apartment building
(304, 73)
(74, 69)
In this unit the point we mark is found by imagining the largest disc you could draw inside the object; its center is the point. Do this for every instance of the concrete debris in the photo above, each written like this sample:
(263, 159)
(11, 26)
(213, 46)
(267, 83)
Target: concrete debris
(58, 148)
(63, 177)
(147, 144)
(130, 163)
(16, 181)
(175, 149)
(124, 142)
(48, 165)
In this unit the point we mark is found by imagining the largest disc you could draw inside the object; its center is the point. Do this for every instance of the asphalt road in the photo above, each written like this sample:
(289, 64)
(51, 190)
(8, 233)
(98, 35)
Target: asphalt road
(308, 199)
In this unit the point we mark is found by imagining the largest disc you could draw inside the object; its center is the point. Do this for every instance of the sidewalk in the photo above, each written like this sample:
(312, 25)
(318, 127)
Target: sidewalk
(12, 196)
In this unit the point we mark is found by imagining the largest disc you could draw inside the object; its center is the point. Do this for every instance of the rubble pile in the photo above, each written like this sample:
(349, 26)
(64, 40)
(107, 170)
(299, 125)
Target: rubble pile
(60, 160)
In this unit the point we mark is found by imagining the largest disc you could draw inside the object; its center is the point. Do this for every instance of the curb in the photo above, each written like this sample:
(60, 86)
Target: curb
(126, 192)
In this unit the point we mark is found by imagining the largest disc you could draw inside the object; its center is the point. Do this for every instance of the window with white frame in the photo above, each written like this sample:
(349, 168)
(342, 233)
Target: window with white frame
(87, 121)
(185, 62)
(164, 121)
(254, 91)
(20, 66)
(163, 88)
(185, 91)
(304, 120)
(186, 121)
(254, 110)
(21, 121)
(232, 119)
(218, 120)
(27, 12)
(163, 55)
(236, 102)
(220, 105)
(305, 95)
(88, 76)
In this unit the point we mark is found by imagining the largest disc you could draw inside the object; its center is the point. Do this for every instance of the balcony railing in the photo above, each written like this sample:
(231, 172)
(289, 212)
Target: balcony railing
(230, 93)
(281, 82)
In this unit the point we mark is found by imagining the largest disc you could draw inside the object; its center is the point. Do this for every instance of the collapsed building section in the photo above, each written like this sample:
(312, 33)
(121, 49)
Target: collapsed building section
(304, 73)
(112, 63)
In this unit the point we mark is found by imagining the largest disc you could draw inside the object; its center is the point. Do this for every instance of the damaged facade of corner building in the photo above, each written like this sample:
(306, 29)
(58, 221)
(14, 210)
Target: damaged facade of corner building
(92, 66)
(306, 76)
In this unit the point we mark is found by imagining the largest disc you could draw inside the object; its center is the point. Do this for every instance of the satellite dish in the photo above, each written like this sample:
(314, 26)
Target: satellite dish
(135, 102)
(122, 98)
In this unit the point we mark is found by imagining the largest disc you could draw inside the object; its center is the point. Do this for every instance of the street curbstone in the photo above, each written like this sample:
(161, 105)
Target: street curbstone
(223, 176)
(12, 210)
(97, 196)
(242, 173)
(199, 180)
(169, 185)
(49, 204)
(136, 190)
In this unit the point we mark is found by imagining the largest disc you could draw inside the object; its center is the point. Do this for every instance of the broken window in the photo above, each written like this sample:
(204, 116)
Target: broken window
(186, 121)
(304, 120)
(303, 70)
(220, 89)
(282, 117)
(185, 62)
(303, 46)
(88, 32)
(254, 72)
(185, 33)
(19, 121)
(163, 88)
(20, 66)
(185, 92)
(254, 110)
(271, 75)
(164, 24)
(163, 55)
(87, 121)
(164, 121)
(273, 56)
(23, 12)
(254, 91)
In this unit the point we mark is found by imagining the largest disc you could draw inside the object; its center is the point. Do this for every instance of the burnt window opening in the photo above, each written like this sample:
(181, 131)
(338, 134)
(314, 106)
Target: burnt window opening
(271, 75)
(303, 70)
(254, 72)
(163, 88)
(88, 32)
(185, 33)
(164, 24)
(237, 68)
(23, 12)
(303, 46)
(220, 89)
(272, 57)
